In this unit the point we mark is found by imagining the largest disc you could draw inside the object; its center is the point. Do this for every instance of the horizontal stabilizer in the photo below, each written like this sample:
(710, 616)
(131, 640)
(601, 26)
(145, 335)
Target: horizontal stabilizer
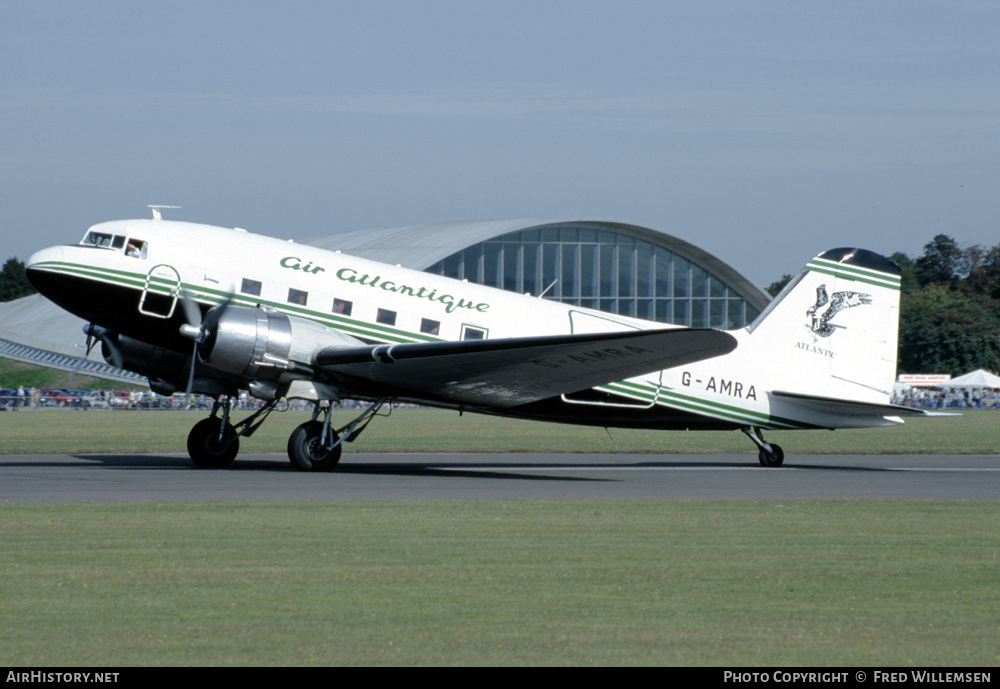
(830, 405)
(515, 371)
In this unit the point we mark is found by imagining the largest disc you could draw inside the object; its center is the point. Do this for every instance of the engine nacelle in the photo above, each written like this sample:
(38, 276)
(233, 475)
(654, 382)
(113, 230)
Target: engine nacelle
(141, 357)
(262, 344)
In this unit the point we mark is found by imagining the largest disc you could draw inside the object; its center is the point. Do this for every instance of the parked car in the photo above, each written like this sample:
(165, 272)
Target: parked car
(48, 397)
(119, 399)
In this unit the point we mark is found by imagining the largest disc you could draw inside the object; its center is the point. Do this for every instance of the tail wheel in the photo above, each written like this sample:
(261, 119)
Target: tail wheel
(774, 458)
(307, 448)
(207, 449)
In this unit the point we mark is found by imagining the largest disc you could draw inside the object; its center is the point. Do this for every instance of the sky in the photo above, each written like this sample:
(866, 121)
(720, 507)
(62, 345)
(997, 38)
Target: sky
(763, 132)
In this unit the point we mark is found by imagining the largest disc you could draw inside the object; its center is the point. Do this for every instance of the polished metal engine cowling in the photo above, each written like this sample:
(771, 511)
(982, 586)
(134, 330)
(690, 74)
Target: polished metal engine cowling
(263, 344)
(248, 342)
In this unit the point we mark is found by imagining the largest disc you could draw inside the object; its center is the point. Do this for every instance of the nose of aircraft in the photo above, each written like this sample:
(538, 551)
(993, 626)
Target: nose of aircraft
(42, 263)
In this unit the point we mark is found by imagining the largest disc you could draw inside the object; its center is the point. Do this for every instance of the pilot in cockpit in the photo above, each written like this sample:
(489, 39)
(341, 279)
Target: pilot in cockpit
(136, 248)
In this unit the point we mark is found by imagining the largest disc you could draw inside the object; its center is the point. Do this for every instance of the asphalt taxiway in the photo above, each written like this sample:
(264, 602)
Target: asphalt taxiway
(142, 477)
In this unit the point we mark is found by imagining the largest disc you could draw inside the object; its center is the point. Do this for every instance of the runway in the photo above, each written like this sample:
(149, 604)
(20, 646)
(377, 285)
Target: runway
(146, 477)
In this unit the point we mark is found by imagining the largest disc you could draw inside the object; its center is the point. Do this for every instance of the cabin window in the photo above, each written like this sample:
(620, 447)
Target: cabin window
(386, 317)
(297, 296)
(470, 333)
(430, 327)
(342, 306)
(136, 248)
(251, 287)
(118, 242)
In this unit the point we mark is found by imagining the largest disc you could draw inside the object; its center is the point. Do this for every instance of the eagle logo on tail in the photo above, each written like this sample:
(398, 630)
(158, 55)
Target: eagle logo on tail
(838, 302)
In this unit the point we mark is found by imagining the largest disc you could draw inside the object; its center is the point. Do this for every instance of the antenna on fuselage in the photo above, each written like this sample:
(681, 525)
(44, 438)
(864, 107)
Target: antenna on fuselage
(546, 290)
(156, 211)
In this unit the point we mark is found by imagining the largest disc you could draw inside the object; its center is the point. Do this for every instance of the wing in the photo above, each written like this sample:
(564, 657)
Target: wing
(515, 371)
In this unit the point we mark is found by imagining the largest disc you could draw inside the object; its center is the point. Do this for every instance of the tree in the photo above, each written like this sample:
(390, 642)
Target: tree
(944, 330)
(14, 281)
(775, 287)
(942, 263)
(908, 271)
(984, 272)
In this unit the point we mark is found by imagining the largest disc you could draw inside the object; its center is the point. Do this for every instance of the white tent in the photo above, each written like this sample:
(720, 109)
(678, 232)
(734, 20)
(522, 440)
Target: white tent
(976, 379)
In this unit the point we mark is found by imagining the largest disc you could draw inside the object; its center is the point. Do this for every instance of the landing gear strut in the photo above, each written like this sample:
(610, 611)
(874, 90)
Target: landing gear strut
(771, 454)
(316, 446)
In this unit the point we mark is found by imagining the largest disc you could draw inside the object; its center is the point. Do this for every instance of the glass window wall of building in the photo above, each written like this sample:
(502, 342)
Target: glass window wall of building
(601, 269)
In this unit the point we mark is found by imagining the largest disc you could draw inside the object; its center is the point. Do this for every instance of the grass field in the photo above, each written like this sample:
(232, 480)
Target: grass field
(502, 583)
(631, 582)
(428, 430)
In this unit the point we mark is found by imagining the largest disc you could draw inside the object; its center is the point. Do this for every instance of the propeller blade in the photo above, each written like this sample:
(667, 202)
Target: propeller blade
(211, 323)
(192, 312)
(190, 385)
(88, 331)
(216, 312)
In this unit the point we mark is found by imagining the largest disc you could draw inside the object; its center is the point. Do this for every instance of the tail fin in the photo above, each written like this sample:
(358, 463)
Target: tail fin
(834, 328)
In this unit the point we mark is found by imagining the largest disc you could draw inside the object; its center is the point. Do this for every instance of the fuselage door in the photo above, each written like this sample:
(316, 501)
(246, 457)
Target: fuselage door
(643, 397)
(161, 292)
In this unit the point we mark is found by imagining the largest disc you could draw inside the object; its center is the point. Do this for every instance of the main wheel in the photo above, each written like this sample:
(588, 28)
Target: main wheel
(205, 447)
(307, 451)
(774, 458)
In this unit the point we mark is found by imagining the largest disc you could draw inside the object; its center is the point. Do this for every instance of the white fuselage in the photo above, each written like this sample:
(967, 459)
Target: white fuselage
(378, 303)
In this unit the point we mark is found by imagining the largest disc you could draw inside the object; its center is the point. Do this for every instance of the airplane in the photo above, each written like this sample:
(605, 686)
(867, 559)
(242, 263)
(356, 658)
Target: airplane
(216, 311)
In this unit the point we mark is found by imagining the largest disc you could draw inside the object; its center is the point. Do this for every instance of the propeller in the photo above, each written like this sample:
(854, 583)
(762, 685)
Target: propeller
(109, 350)
(91, 340)
(192, 329)
(200, 329)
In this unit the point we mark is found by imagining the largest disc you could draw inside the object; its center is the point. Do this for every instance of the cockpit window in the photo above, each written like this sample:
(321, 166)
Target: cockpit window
(136, 248)
(97, 239)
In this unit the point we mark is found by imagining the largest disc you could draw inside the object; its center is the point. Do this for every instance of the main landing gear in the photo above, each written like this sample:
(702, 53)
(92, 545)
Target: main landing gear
(316, 446)
(771, 454)
(313, 446)
(214, 442)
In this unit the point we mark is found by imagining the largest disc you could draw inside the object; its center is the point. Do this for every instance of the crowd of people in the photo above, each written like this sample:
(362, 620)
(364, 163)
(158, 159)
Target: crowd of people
(948, 398)
(13, 399)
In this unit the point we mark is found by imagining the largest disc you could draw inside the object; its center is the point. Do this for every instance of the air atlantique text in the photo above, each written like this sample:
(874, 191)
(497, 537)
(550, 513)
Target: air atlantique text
(785, 676)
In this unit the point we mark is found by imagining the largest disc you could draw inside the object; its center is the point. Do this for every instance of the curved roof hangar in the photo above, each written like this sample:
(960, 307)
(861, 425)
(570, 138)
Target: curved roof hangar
(607, 265)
